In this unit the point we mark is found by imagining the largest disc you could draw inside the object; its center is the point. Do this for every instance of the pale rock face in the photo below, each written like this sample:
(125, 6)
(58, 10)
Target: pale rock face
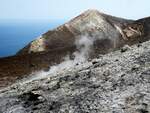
(37, 45)
(133, 31)
(94, 24)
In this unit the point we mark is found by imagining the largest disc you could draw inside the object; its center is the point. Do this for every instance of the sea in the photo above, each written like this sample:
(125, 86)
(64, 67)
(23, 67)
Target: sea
(16, 34)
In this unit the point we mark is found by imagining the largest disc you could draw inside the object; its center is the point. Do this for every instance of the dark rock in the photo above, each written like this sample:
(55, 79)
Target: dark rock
(47, 69)
(30, 96)
(125, 48)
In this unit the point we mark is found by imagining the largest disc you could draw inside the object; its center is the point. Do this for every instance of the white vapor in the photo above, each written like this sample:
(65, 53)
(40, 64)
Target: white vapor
(84, 45)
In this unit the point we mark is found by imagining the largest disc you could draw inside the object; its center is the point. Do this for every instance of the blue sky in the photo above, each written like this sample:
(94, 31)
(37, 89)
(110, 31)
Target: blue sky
(67, 9)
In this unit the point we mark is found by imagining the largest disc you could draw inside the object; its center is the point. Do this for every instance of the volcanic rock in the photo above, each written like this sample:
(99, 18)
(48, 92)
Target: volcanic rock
(105, 86)
(94, 32)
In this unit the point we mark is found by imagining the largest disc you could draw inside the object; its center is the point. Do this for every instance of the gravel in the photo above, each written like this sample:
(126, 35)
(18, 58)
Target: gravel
(118, 82)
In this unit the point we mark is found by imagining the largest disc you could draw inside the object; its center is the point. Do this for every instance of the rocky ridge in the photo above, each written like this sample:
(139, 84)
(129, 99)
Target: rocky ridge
(102, 28)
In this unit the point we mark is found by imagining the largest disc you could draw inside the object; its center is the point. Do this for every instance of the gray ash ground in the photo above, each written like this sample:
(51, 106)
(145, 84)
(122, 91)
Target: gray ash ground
(118, 82)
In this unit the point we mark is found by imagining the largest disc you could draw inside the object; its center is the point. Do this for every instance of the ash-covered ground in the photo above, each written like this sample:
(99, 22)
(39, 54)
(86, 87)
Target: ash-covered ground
(118, 82)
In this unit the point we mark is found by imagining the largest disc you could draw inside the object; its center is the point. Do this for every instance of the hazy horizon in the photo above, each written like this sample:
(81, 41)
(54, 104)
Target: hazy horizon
(33, 10)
